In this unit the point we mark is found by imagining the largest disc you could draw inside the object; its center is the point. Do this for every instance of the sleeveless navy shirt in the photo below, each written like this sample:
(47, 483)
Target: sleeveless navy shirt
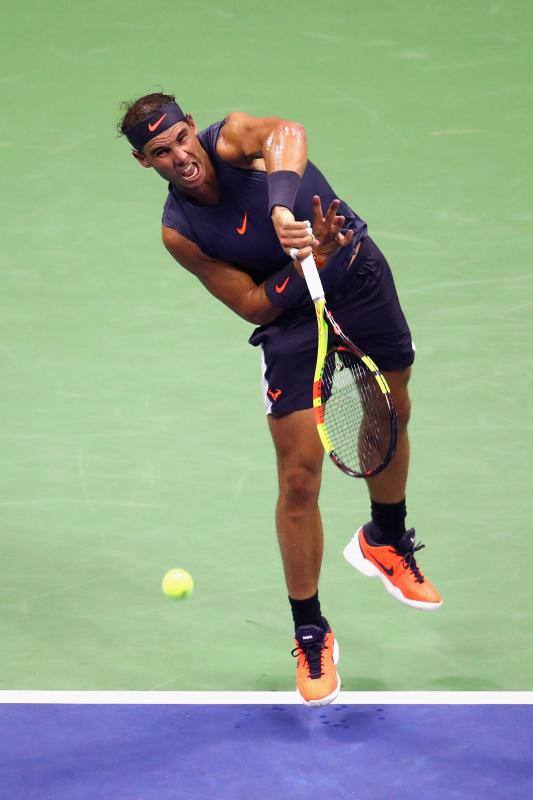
(243, 206)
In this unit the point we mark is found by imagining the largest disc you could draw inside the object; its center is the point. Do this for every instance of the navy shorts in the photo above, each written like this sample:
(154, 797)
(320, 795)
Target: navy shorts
(367, 308)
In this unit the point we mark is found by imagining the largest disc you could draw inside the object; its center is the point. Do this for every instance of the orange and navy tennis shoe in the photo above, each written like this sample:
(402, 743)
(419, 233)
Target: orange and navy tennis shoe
(396, 566)
(317, 680)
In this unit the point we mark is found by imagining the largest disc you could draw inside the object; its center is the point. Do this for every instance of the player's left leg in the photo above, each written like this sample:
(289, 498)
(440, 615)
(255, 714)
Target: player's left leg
(383, 547)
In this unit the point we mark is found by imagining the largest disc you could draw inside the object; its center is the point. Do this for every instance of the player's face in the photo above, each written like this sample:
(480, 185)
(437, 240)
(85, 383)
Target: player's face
(177, 155)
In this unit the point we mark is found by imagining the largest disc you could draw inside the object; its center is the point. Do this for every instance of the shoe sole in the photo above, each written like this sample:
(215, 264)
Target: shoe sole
(329, 698)
(354, 556)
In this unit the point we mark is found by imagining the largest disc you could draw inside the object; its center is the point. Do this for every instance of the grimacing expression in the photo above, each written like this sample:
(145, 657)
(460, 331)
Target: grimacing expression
(177, 155)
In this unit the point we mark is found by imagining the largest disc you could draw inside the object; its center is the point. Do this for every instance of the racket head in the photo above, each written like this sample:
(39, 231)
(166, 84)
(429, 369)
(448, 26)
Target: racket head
(354, 411)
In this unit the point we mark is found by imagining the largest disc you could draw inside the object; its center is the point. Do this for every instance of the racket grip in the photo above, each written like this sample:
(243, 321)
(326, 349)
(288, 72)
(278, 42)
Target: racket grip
(312, 278)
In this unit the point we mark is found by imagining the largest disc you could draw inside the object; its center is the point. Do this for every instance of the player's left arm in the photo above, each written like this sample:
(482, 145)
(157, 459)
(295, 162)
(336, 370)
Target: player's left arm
(279, 146)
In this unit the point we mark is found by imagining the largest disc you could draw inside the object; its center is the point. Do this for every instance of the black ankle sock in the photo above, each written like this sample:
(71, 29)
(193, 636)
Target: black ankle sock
(306, 612)
(388, 522)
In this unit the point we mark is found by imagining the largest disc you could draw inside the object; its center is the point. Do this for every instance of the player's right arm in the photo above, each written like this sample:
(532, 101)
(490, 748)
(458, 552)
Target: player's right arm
(228, 284)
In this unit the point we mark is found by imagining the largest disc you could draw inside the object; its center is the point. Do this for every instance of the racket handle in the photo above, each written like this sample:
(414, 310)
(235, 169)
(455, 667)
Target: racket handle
(312, 278)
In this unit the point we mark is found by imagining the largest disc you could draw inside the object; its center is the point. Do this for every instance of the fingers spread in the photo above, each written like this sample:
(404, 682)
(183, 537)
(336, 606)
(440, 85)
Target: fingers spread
(331, 212)
(317, 209)
(346, 238)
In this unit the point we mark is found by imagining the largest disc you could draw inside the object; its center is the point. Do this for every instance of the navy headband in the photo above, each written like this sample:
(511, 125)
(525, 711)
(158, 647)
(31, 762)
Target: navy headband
(162, 119)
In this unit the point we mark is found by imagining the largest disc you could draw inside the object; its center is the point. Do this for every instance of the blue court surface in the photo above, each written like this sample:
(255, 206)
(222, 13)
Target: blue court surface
(154, 752)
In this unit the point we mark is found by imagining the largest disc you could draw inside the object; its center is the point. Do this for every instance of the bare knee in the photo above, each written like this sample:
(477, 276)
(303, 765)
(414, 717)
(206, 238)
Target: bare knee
(400, 395)
(300, 456)
(403, 410)
(299, 486)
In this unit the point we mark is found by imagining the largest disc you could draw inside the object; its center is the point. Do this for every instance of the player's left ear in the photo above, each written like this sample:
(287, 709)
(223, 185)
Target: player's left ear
(191, 123)
(141, 158)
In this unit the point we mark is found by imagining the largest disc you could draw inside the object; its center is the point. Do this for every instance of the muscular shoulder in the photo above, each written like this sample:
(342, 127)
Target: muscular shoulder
(243, 136)
(238, 124)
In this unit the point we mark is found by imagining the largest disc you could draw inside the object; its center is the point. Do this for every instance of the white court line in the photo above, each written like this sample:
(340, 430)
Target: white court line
(265, 698)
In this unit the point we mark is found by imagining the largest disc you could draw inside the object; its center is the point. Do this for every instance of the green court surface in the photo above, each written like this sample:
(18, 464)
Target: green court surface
(133, 437)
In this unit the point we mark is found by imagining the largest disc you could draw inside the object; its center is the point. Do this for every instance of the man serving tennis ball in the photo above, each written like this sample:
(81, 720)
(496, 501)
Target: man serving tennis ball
(240, 193)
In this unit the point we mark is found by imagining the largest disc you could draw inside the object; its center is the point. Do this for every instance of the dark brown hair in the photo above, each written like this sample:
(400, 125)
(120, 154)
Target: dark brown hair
(137, 110)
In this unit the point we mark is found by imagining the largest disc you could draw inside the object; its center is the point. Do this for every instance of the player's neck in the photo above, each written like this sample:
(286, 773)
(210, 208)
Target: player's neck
(207, 193)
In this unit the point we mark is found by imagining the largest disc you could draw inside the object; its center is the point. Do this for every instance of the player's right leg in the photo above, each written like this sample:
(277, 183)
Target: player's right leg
(299, 456)
(299, 527)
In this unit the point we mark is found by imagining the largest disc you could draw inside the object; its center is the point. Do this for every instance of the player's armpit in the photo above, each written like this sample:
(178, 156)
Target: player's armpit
(228, 284)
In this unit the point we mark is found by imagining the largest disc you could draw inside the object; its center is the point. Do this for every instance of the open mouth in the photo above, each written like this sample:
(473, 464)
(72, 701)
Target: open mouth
(190, 172)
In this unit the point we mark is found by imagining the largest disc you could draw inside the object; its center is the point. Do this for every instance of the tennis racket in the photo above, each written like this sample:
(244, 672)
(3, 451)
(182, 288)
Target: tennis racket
(352, 403)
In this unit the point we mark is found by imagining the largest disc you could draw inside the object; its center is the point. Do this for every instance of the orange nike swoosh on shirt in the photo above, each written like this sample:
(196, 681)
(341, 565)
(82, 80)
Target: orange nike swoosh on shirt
(280, 289)
(153, 126)
(242, 230)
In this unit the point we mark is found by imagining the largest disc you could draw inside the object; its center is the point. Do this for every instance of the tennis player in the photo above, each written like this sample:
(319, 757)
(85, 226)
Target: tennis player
(239, 193)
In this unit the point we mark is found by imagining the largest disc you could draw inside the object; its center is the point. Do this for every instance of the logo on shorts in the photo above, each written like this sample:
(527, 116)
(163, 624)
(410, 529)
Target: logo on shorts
(274, 394)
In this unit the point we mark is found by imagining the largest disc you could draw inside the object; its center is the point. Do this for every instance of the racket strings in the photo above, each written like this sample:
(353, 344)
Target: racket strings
(356, 416)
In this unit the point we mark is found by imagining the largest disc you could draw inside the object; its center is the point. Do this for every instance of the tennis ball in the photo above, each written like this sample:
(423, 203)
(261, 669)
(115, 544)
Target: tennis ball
(177, 583)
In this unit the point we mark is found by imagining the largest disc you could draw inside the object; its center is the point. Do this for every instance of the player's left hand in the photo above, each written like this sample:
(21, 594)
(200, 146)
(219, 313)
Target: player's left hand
(292, 235)
(327, 229)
